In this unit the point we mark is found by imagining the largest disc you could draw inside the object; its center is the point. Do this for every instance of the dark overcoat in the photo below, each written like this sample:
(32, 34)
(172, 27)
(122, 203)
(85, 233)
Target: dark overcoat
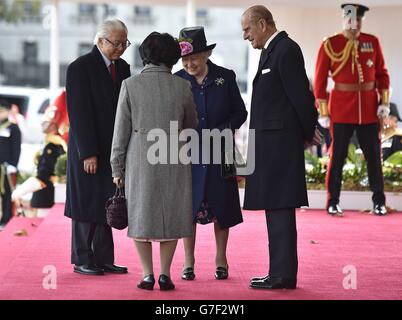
(219, 105)
(283, 116)
(91, 104)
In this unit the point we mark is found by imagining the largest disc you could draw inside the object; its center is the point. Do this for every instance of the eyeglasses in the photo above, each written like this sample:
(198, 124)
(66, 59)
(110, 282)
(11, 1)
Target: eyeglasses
(117, 44)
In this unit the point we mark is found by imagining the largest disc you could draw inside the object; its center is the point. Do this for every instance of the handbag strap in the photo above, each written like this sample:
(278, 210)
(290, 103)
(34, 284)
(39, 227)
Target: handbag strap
(119, 192)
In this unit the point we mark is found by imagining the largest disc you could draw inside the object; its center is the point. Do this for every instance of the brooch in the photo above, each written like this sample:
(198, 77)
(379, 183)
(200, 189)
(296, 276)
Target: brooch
(370, 63)
(219, 81)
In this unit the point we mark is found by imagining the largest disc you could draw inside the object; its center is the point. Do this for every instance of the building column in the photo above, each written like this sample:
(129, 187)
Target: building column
(191, 17)
(54, 50)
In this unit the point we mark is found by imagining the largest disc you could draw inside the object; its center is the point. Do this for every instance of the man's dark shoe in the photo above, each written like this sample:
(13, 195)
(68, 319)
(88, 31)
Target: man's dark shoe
(380, 210)
(335, 210)
(89, 270)
(112, 268)
(272, 283)
(259, 278)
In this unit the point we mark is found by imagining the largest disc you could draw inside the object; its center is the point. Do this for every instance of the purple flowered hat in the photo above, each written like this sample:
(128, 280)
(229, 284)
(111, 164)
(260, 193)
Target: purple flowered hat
(192, 40)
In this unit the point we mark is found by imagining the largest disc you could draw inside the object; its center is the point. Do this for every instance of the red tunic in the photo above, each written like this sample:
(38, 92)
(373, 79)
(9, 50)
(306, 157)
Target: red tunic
(354, 107)
(60, 117)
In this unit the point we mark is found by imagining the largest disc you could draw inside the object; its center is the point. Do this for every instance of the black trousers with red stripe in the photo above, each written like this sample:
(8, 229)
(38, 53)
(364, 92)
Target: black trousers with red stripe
(369, 141)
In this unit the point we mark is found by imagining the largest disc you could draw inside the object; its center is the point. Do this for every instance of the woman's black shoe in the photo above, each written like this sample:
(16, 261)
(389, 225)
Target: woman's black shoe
(221, 273)
(165, 283)
(147, 283)
(188, 274)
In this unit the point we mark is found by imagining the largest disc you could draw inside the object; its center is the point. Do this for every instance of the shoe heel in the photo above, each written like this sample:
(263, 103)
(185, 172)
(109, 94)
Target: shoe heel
(165, 283)
(222, 273)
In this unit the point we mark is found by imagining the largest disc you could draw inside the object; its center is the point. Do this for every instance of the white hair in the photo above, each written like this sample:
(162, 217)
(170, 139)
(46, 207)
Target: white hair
(107, 26)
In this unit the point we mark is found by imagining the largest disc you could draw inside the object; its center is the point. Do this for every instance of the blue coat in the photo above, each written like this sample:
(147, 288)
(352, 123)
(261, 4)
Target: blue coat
(219, 105)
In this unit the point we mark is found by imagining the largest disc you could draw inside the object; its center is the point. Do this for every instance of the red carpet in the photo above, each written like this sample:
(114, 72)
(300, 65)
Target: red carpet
(14, 239)
(326, 245)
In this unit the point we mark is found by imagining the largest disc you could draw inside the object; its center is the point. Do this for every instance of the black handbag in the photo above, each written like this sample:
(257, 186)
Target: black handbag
(228, 168)
(116, 210)
(230, 162)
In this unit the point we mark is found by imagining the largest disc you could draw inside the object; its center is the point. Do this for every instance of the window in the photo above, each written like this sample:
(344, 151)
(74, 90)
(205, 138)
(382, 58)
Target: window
(20, 101)
(31, 11)
(142, 15)
(203, 17)
(30, 53)
(109, 11)
(87, 9)
(84, 48)
(44, 106)
(141, 11)
(202, 13)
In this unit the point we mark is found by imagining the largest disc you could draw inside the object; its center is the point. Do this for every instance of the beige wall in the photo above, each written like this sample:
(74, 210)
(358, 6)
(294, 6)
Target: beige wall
(308, 26)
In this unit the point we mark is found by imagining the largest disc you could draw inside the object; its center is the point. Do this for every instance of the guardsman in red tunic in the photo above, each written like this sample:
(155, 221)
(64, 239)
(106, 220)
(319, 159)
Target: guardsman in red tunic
(56, 114)
(358, 101)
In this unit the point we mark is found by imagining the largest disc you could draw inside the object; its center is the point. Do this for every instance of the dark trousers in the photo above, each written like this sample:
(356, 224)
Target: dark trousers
(369, 142)
(6, 203)
(92, 243)
(282, 237)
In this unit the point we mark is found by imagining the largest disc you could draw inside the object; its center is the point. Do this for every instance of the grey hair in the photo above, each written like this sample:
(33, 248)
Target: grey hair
(108, 25)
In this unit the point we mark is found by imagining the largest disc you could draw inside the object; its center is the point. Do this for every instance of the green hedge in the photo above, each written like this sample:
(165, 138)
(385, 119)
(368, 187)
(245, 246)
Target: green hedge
(354, 172)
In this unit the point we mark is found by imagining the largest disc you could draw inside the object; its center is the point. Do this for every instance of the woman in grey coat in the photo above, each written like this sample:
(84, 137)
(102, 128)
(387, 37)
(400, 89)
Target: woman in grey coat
(159, 195)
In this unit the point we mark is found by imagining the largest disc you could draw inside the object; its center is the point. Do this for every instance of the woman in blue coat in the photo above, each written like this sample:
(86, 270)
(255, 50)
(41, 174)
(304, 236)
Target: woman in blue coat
(219, 106)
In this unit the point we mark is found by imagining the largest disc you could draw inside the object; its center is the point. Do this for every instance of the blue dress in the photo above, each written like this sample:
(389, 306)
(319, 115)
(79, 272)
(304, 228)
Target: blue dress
(219, 105)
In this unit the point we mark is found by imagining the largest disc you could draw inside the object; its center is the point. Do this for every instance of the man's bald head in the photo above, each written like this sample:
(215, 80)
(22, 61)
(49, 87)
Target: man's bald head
(258, 26)
(258, 12)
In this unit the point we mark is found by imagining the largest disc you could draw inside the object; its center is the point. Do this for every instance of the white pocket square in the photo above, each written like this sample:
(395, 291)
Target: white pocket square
(265, 71)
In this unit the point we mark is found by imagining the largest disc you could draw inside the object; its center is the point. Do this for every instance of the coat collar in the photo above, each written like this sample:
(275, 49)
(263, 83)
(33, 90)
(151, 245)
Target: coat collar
(266, 52)
(154, 68)
(98, 56)
(101, 64)
(276, 40)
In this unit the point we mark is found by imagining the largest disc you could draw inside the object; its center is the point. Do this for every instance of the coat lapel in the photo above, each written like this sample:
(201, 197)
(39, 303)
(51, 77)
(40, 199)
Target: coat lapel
(111, 89)
(269, 50)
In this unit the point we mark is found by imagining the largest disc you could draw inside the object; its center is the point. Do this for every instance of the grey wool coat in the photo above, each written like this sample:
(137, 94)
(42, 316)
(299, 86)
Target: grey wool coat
(159, 196)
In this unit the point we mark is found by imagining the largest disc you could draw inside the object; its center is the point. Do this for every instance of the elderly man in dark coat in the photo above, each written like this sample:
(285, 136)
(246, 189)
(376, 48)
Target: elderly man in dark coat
(93, 86)
(283, 116)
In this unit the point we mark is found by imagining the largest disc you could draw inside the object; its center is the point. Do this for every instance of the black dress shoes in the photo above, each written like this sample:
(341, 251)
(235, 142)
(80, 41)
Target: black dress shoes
(222, 273)
(335, 211)
(165, 283)
(380, 210)
(90, 270)
(112, 268)
(188, 274)
(271, 283)
(259, 278)
(147, 283)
